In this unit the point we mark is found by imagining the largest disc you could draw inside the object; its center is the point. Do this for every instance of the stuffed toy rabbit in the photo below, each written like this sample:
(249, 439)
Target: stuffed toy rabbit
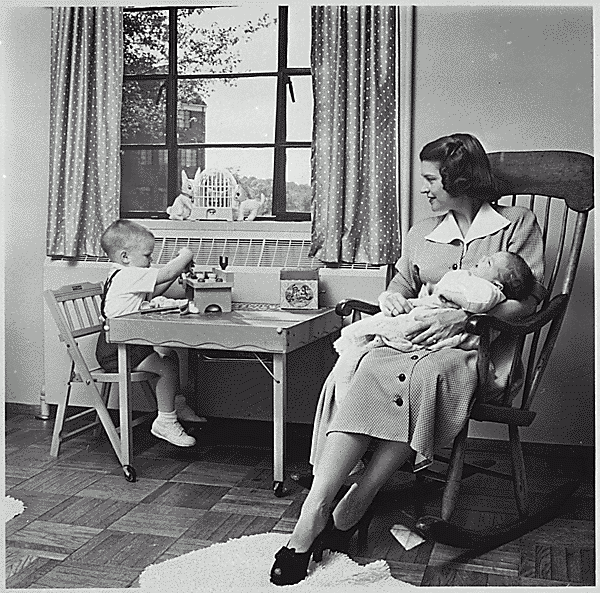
(182, 206)
(248, 207)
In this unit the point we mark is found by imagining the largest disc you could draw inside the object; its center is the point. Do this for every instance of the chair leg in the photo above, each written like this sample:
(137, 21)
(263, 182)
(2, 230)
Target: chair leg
(455, 468)
(105, 395)
(59, 421)
(518, 470)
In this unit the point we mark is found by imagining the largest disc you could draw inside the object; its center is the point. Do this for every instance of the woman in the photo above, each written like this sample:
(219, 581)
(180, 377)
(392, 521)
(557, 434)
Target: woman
(410, 403)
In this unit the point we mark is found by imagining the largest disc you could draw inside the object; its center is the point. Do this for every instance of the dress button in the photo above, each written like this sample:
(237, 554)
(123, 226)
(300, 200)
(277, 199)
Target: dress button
(414, 357)
(455, 266)
(402, 376)
(399, 401)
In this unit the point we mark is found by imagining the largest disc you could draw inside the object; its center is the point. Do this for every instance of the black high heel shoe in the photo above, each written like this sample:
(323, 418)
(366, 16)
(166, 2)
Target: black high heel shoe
(338, 540)
(291, 567)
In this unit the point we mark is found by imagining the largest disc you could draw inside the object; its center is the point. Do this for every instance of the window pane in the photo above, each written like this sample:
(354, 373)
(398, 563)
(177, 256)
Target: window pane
(143, 119)
(300, 112)
(190, 160)
(239, 39)
(145, 38)
(298, 190)
(144, 180)
(299, 36)
(235, 110)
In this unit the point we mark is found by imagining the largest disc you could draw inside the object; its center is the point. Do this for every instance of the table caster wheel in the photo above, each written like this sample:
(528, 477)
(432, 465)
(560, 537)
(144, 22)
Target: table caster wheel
(129, 473)
(278, 489)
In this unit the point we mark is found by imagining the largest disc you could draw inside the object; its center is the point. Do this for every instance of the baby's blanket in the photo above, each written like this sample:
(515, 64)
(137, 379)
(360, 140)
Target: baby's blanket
(380, 330)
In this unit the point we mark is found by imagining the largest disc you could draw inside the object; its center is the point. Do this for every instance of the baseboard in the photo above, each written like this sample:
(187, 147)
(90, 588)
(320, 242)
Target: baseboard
(584, 453)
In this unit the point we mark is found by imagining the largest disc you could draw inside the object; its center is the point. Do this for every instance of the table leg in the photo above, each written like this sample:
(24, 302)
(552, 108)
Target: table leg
(279, 420)
(125, 413)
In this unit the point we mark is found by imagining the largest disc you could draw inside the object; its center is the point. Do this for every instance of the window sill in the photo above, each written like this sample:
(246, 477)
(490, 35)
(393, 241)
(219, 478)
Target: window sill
(231, 228)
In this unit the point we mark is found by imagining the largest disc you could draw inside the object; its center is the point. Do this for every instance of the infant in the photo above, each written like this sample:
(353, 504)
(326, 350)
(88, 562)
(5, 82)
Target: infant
(492, 280)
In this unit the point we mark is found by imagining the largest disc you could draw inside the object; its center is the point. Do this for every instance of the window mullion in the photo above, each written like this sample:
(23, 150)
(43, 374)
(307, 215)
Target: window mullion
(279, 164)
(171, 131)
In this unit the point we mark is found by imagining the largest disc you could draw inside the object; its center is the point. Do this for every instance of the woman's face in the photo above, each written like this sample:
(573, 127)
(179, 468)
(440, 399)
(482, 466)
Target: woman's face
(439, 199)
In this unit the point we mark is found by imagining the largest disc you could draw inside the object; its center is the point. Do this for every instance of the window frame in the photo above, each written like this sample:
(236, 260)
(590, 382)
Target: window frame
(280, 143)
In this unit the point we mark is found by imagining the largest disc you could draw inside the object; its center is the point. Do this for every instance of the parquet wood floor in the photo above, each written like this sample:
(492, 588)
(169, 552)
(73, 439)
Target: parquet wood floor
(85, 526)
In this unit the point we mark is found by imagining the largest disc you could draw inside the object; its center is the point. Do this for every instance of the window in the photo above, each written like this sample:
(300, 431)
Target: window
(225, 88)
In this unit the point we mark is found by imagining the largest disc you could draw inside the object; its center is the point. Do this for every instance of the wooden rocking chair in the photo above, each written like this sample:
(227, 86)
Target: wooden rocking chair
(558, 186)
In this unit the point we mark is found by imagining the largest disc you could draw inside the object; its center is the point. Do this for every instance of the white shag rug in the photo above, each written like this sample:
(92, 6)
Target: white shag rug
(12, 508)
(244, 564)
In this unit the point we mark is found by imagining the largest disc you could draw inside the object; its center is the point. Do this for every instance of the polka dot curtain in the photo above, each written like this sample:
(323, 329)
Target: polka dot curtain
(85, 110)
(355, 134)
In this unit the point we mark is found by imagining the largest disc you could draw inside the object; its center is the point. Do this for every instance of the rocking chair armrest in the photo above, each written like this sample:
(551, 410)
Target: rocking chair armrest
(347, 306)
(480, 323)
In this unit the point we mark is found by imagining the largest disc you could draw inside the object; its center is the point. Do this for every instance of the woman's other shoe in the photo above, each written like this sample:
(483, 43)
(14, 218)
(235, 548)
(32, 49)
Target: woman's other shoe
(338, 540)
(291, 567)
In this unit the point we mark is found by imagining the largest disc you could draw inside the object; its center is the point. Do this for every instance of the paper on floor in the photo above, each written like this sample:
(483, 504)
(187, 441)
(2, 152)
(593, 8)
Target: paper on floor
(408, 539)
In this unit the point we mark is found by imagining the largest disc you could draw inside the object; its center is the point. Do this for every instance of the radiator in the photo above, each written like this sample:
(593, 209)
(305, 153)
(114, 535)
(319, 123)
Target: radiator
(233, 388)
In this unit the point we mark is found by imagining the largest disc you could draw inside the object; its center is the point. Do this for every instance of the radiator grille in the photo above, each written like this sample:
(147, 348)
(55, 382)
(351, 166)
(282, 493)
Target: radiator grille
(270, 253)
(280, 253)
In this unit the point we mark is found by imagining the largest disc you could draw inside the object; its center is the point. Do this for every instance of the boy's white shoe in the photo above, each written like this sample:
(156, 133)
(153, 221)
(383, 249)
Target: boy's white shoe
(184, 412)
(173, 433)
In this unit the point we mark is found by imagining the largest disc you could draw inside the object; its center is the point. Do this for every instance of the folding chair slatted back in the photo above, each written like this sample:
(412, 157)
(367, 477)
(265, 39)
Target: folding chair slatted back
(75, 309)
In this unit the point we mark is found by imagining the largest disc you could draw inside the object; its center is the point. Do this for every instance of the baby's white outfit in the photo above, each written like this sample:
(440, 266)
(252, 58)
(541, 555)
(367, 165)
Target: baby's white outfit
(457, 289)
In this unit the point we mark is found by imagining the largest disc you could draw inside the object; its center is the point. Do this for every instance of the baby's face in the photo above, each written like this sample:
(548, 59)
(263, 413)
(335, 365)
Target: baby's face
(490, 267)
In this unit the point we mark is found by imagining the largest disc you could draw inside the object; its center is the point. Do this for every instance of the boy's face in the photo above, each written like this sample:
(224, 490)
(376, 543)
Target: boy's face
(139, 254)
(490, 267)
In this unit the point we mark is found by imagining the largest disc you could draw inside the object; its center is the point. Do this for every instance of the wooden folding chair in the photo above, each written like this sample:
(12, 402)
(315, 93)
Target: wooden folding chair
(76, 311)
(558, 186)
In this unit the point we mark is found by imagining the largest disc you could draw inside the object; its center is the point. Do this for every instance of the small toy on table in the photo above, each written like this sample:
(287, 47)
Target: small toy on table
(209, 291)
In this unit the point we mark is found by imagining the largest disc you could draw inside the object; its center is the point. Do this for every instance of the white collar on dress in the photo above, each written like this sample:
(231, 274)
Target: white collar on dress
(486, 221)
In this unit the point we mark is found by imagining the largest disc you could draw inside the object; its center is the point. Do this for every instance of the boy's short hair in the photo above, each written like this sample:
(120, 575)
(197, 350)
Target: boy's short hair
(122, 233)
(516, 277)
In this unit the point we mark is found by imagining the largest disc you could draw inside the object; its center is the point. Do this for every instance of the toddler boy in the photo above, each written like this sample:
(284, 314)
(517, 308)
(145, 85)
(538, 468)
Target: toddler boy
(132, 280)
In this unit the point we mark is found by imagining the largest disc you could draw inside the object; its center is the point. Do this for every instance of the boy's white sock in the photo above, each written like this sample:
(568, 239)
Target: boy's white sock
(167, 416)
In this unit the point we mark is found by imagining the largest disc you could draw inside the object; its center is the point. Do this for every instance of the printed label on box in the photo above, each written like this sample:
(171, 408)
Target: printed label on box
(299, 294)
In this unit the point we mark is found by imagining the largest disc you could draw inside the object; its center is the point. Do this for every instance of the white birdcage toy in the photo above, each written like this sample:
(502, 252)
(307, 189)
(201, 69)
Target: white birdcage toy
(214, 194)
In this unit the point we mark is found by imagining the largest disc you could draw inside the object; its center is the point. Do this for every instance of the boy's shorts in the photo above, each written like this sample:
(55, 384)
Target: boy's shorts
(107, 354)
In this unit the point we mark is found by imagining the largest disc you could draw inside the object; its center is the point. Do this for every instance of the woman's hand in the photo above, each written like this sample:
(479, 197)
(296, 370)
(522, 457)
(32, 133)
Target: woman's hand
(393, 303)
(436, 325)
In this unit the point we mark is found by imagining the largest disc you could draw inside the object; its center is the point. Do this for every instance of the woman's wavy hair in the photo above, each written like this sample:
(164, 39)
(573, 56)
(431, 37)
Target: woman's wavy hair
(464, 166)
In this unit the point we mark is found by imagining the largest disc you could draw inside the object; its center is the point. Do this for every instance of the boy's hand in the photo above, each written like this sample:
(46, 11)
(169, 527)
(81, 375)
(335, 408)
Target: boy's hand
(186, 252)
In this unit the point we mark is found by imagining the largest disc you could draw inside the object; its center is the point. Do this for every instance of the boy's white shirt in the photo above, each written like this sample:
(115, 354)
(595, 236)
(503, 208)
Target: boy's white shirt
(128, 289)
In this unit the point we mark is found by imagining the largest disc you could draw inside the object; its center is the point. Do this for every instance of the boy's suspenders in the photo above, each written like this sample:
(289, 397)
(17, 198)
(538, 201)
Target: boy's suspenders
(103, 297)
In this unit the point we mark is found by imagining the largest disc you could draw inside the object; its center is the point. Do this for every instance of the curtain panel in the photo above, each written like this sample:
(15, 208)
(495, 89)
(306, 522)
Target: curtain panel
(85, 115)
(354, 62)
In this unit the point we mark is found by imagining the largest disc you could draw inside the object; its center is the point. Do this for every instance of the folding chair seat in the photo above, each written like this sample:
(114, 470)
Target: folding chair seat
(76, 312)
(558, 187)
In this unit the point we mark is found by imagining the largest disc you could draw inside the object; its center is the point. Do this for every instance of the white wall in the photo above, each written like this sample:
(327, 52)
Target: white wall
(519, 78)
(25, 76)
